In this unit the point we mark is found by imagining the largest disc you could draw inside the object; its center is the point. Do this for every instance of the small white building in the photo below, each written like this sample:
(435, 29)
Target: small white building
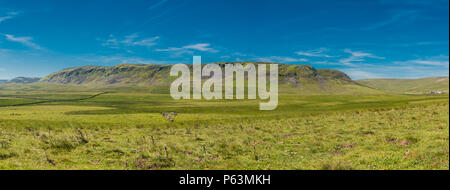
(435, 92)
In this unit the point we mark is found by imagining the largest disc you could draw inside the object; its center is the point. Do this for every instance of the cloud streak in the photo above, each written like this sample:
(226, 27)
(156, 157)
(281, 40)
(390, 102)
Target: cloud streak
(357, 56)
(416, 68)
(119, 59)
(314, 53)
(202, 47)
(8, 16)
(395, 71)
(26, 41)
(441, 60)
(279, 59)
(360, 74)
(130, 41)
(5, 18)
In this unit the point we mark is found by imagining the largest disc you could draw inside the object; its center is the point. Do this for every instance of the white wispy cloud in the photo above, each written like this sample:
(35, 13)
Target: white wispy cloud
(200, 47)
(111, 42)
(133, 40)
(27, 41)
(203, 47)
(130, 40)
(118, 59)
(357, 56)
(9, 15)
(428, 62)
(3, 18)
(236, 56)
(415, 68)
(361, 54)
(314, 53)
(395, 71)
(441, 60)
(280, 59)
(239, 54)
(355, 73)
(240, 57)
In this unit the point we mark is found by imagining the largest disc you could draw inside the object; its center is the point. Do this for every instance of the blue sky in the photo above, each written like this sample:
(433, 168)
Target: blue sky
(365, 39)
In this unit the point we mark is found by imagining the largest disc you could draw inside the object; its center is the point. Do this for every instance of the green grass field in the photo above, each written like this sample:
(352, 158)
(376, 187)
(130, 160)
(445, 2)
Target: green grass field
(68, 129)
(410, 86)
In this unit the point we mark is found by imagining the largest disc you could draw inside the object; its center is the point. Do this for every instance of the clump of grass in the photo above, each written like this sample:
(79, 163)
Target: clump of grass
(336, 166)
(145, 162)
(5, 144)
(5, 154)
(82, 137)
(61, 142)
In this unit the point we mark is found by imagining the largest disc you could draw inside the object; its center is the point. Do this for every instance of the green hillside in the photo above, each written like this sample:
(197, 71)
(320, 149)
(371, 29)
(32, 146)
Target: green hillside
(414, 86)
(298, 79)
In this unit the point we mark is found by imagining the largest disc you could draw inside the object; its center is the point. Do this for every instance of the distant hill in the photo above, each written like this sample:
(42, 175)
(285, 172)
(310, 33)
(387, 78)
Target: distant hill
(3, 81)
(301, 79)
(416, 86)
(23, 80)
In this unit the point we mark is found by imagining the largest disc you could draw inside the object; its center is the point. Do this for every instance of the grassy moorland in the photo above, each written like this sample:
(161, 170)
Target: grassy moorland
(122, 129)
(411, 86)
